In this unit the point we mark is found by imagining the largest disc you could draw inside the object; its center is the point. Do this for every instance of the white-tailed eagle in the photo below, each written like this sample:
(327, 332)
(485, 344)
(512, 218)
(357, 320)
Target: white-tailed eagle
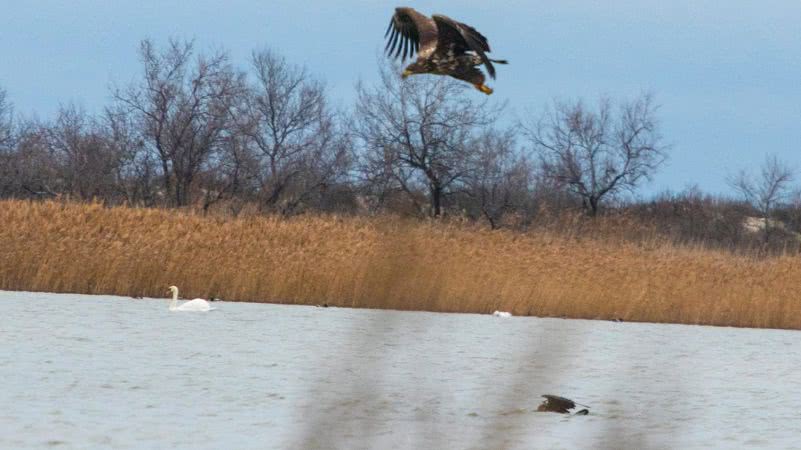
(443, 46)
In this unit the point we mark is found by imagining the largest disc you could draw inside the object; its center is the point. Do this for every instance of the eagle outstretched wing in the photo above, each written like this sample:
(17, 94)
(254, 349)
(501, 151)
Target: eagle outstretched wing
(463, 38)
(410, 32)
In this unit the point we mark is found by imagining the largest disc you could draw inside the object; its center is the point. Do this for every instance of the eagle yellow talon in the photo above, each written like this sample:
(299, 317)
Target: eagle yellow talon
(484, 88)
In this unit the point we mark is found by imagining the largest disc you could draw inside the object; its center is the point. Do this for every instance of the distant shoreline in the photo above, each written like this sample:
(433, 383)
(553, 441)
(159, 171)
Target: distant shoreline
(387, 263)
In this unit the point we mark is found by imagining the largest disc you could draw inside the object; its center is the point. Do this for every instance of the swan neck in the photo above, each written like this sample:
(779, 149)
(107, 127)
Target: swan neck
(174, 302)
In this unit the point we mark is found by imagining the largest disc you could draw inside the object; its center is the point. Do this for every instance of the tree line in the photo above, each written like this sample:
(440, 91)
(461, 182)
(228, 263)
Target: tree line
(195, 130)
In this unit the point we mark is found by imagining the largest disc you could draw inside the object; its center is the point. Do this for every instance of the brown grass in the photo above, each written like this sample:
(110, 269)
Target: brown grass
(388, 263)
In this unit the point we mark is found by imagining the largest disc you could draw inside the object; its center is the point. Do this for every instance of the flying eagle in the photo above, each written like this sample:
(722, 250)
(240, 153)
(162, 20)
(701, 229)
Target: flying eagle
(443, 45)
(562, 405)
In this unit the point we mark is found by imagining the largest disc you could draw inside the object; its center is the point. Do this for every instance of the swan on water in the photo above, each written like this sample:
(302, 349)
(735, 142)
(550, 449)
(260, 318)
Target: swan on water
(197, 304)
(502, 314)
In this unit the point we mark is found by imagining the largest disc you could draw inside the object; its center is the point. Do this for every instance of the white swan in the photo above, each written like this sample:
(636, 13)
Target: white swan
(197, 304)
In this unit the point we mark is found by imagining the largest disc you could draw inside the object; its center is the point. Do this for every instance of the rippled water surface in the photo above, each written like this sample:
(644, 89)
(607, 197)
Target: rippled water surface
(114, 372)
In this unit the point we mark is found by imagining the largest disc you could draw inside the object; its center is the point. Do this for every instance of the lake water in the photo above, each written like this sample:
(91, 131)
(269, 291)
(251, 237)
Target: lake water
(113, 372)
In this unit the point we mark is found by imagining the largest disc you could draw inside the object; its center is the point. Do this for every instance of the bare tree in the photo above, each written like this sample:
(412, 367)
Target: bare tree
(766, 192)
(233, 174)
(70, 155)
(183, 106)
(136, 172)
(85, 162)
(6, 125)
(597, 154)
(500, 179)
(6, 146)
(31, 171)
(294, 133)
(415, 133)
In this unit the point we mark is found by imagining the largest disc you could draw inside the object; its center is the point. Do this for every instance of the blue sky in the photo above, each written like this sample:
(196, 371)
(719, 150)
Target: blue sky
(727, 73)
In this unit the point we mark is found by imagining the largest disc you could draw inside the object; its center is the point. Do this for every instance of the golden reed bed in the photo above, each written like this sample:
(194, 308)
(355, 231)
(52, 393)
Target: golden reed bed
(388, 263)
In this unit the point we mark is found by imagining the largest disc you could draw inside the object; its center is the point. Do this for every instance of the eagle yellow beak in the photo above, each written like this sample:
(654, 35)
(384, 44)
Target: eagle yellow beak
(406, 73)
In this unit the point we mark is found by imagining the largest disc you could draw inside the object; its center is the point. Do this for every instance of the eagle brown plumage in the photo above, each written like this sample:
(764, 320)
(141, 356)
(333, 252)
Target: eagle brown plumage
(443, 46)
(558, 404)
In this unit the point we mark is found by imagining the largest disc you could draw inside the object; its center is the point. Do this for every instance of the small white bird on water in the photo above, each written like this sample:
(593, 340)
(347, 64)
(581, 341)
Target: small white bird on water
(502, 314)
(197, 304)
